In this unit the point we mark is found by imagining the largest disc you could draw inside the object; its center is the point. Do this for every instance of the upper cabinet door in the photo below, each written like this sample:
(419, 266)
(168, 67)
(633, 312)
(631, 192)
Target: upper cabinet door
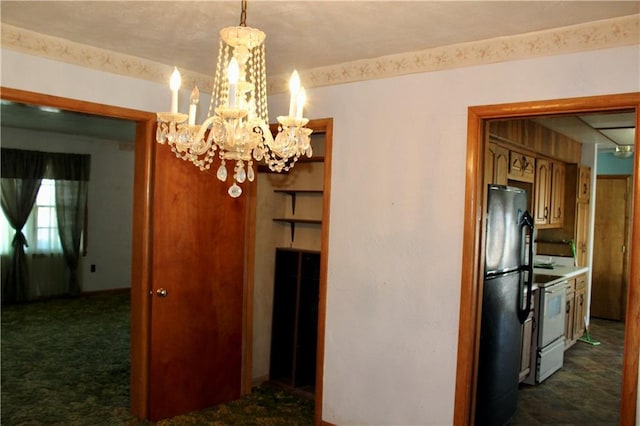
(584, 183)
(542, 197)
(556, 217)
(497, 164)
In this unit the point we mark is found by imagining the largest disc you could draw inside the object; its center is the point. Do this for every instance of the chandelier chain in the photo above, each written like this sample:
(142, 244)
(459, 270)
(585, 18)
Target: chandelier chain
(243, 14)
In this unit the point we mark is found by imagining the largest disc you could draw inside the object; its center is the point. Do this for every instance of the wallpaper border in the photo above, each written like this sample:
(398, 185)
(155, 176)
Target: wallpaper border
(609, 33)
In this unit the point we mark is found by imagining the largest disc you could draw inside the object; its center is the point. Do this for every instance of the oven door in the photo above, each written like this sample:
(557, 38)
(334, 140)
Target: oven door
(552, 313)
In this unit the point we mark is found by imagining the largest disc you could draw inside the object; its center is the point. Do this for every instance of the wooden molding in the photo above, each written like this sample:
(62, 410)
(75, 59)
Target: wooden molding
(470, 298)
(327, 125)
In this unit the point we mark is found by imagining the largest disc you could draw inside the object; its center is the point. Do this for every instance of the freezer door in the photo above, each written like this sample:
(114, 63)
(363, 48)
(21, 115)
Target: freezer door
(505, 249)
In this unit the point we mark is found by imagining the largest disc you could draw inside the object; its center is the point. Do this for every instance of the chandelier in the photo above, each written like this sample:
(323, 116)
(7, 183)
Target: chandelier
(237, 126)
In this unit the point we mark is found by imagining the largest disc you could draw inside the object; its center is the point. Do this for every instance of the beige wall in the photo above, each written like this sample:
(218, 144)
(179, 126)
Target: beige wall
(396, 211)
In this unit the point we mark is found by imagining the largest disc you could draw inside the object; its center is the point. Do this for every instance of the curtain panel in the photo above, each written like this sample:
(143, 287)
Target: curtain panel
(22, 172)
(71, 173)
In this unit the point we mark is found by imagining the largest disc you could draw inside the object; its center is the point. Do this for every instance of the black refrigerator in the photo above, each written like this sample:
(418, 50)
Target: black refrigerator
(506, 298)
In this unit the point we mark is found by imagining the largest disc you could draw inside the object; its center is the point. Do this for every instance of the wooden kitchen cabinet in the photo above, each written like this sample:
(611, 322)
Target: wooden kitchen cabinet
(584, 183)
(575, 223)
(542, 197)
(521, 167)
(576, 309)
(556, 217)
(497, 164)
(569, 315)
(582, 233)
(580, 306)
(549, 193)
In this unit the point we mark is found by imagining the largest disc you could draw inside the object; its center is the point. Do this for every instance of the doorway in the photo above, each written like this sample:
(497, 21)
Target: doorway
(144, 126)
(468, 337)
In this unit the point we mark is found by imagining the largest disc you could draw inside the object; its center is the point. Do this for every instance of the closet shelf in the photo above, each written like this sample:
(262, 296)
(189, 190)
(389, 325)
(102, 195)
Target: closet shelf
(294, 192)
(292, 223)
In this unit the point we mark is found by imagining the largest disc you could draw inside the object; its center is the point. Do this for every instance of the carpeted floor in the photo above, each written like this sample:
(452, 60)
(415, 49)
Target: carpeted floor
(586, 391)
(66, 362)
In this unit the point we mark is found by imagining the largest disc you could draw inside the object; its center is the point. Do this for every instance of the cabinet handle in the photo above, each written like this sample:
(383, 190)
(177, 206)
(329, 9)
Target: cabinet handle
(559, 212)
(546, 212)
(584, 189)
(568, 307)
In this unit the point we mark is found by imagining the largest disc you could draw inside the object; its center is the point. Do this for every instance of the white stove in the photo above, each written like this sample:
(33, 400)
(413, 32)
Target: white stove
(547, 348)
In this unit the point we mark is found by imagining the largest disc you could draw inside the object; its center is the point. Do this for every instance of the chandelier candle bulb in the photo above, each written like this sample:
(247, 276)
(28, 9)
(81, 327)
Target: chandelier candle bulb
(195, 98)
(294, 88)
(302, 98)
(233, 73)
(174, 85)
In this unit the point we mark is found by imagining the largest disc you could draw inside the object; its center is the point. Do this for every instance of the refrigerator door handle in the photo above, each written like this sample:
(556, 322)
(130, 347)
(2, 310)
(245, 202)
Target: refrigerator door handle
(523, 311)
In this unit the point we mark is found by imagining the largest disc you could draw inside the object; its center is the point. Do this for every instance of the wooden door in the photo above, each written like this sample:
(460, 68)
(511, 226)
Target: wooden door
(609, 248)
(195, 342)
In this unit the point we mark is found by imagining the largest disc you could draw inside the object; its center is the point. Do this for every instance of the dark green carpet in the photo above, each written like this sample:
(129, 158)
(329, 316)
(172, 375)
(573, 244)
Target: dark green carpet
(66, 362)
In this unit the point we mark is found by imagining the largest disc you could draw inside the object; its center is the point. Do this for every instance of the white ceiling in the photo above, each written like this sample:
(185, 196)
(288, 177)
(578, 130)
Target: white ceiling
(308, 34)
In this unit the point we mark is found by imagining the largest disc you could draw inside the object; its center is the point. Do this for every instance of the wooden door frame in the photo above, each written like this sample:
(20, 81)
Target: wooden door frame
(323, 126)
(470, 298)
(145, 146)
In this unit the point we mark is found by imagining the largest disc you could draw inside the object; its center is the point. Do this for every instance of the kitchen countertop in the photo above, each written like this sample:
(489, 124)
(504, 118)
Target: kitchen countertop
(562, 272)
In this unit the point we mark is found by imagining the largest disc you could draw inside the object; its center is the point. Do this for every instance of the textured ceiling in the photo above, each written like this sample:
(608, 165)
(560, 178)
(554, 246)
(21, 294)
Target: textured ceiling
(300, 34)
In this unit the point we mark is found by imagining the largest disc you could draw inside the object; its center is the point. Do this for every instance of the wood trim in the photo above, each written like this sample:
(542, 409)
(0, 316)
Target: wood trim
(469, 313)
(141, 271)
(34, 98)
(471, 273)
(141, 274)
(629, 397)
(327, 124)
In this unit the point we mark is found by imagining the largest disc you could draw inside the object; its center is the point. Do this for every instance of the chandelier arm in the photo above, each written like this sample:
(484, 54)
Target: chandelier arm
(200, 136)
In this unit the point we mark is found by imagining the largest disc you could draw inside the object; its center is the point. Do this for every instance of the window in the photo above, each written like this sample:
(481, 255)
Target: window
(41, 229)
(44, 224)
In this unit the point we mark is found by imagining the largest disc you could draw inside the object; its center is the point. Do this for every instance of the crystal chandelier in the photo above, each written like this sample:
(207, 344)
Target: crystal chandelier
(237, 124)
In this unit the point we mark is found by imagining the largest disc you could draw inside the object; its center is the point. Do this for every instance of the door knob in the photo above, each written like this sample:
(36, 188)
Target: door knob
(161, 292)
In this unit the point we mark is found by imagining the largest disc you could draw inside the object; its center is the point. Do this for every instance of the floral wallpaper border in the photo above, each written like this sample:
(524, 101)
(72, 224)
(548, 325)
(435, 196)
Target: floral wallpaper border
(609, 33)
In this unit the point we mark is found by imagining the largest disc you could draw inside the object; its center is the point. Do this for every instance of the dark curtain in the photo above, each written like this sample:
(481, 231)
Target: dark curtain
(22, 172)
(71, 173)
